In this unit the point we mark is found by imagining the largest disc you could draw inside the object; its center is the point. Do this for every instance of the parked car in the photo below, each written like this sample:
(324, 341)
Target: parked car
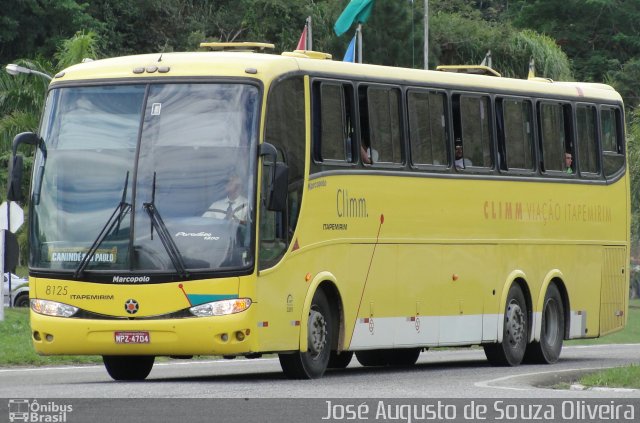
(19, 290)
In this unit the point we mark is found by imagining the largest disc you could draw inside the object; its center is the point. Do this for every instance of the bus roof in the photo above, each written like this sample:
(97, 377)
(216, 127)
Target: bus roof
(269, 66)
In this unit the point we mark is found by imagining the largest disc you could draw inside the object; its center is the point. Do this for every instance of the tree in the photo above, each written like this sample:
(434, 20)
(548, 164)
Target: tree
(32, 28)
(633, 158)
(598, 35)
(627, 82)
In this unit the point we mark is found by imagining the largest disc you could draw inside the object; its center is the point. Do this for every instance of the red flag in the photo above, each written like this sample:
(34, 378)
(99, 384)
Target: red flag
(302, 43)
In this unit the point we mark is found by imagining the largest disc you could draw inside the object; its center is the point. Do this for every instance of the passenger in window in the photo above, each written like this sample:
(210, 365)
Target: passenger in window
(364, 155)
(234, 205)
(368, 155)
(461, 162)
(568, 163)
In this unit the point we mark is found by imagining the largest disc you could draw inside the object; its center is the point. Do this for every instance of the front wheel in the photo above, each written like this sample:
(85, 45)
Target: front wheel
(515, 332)
(312, 363)
(547, 351)
(128, 367)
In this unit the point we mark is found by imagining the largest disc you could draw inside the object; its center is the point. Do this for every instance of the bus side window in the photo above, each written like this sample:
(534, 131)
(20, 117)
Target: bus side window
(515, 134)
(587, 140)
(428, 132)
(473, 129)
(556, 137)
(333, 123)
(380, 124)
(612, 141)
(284, 129)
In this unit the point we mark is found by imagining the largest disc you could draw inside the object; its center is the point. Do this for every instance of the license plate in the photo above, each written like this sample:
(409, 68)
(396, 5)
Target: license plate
(131, 337)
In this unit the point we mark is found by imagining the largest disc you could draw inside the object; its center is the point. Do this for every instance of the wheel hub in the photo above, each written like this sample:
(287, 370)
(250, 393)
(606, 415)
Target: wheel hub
(515, 322)
(317, 332)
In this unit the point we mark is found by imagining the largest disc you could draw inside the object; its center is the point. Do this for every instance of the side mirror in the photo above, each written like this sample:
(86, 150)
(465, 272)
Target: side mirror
(14, 192)
(278, 188)
(28, 138)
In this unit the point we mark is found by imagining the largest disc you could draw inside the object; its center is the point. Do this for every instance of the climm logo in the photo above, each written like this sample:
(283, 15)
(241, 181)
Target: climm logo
(348, 206)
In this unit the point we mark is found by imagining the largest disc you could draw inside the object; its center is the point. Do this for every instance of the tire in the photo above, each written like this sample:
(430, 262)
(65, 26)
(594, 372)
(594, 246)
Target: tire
(132, 367)
(21, 300)
(510, 352)
(547, 351)
(340, 361)
(312, 363)
(402, 357)
(405, 357)
(373, 358)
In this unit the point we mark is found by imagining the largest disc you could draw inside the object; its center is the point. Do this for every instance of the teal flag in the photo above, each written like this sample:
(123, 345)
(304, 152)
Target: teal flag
(357, 11)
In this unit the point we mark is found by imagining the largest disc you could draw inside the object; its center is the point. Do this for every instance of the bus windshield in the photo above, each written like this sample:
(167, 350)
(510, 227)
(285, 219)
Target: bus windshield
(123, 167)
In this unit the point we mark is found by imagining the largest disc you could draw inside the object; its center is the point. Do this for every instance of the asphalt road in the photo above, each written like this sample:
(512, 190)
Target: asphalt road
(458, 373)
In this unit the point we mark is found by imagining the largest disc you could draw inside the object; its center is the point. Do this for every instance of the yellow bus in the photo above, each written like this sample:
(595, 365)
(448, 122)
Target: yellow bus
(238, 203)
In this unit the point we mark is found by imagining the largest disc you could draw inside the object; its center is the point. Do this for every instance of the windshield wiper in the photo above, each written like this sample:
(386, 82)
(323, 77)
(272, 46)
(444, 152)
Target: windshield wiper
(165, 237)
(113, 222)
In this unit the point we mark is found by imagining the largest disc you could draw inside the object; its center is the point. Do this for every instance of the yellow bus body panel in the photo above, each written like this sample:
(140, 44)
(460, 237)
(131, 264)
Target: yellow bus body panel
(415, 259)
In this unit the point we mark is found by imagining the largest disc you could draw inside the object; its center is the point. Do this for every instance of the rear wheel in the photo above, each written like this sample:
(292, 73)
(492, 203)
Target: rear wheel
(372, 358)
(401, 357)
(547, 351)
(131, 367)
(340, 361)
(312, 363)
(515, 335)
(405, 357)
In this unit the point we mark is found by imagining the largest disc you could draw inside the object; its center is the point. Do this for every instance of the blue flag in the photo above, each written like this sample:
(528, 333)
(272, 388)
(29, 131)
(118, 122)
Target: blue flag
(350, 54)
(357, 11)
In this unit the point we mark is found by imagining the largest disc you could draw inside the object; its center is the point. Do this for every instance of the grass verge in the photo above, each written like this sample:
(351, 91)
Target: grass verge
(619, 377)
(16, 348)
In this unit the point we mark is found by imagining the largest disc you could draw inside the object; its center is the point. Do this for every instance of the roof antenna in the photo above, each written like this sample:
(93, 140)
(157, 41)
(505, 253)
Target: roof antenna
(166, 42)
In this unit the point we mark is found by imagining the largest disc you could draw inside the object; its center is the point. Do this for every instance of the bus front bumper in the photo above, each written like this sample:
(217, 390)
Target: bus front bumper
(218, 335)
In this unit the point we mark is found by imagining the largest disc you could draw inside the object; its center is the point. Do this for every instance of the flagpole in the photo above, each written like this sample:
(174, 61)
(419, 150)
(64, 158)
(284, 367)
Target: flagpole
(359, 42)
(309, 35)
(426, 34)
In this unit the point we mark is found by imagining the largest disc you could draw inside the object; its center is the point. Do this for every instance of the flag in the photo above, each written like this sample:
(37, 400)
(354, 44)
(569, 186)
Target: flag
(357, 11)
(350, 54)
(302, 43)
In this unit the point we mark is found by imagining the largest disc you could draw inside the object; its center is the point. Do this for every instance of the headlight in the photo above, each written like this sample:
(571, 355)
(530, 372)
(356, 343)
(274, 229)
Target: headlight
(221, 308)
(52, 308)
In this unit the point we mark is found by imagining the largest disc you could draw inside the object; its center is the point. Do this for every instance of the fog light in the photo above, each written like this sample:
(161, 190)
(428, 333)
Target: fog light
(49, 337)
(224, 337)
(240, 336)
(36, 336)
